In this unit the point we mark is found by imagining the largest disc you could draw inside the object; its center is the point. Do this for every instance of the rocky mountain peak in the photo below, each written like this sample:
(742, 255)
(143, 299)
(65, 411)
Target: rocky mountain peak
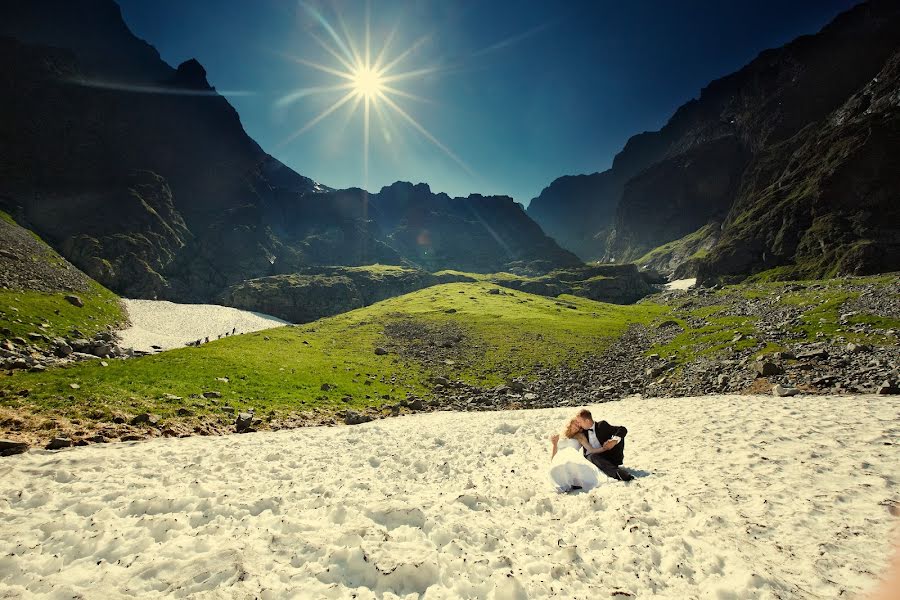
(191, 74)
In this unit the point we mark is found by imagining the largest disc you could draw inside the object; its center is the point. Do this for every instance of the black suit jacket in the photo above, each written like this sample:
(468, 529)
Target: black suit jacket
(604, 431)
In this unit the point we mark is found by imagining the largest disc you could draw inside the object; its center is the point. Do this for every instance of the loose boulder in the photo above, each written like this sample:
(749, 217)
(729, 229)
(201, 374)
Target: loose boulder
(782, 391)
(10, 447)
(765, 368)
(74, 300)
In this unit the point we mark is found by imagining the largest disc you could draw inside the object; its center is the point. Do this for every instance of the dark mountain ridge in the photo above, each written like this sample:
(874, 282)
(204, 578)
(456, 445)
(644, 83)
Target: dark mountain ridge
(729, 157)
(143, 176)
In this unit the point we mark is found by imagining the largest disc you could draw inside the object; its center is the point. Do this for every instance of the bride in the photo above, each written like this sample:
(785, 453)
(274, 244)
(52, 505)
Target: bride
(569, 469)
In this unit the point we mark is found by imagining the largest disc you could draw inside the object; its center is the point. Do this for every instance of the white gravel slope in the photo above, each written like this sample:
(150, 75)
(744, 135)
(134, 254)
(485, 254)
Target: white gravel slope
(170, 325)
(737, 497)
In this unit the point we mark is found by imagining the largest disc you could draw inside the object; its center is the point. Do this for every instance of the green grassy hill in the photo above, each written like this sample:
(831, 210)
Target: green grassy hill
(377, 358)
(474, 332)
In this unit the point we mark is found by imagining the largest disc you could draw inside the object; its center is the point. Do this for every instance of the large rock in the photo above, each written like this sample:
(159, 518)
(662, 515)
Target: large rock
(10, 447)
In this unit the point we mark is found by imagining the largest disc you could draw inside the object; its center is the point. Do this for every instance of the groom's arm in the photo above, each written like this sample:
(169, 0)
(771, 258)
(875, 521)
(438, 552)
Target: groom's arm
(607, 431)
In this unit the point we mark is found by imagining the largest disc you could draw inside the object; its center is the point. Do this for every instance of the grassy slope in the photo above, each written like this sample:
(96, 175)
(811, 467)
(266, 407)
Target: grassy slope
(283, 370)
(25, 311)
(682, 245)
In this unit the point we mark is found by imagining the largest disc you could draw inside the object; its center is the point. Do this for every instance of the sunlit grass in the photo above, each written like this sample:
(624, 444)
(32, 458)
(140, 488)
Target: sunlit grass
(283, 370)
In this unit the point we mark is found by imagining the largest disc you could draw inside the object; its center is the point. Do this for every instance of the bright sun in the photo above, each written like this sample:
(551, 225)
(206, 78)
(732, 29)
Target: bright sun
(367, 82)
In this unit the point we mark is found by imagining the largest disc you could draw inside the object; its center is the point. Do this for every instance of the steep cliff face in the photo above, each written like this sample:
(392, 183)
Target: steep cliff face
(825, 202)
(722, 156)
(144, 177)
(578, 211)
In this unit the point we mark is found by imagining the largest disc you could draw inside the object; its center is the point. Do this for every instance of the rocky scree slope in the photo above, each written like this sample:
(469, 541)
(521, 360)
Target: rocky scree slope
(51, 314)
(794, 155)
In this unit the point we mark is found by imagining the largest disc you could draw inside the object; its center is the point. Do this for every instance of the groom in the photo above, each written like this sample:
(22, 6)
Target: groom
(608, 453)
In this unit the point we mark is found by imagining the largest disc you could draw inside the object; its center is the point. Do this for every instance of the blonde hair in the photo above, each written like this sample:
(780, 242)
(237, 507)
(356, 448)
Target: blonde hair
(572, 428)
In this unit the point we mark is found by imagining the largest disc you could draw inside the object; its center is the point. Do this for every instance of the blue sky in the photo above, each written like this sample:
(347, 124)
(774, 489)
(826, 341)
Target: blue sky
(509, 96)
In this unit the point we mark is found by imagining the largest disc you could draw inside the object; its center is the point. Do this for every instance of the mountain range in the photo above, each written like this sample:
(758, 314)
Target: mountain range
(143, 176)
(790, 165)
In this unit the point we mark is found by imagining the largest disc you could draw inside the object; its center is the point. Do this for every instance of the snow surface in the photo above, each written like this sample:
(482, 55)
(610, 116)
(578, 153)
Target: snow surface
(681, 284)
(736, 497)
(170, 325)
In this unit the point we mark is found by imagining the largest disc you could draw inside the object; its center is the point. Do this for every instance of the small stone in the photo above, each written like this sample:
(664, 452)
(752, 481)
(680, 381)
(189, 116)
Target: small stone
(887, 388)
(855, 348)
(326, 387)
(765, 368)
(517, 386)
(654, 372)
(782, 391)
(351, 417)
(228, 409)
(145, 419)
(243, 422)
(212, 394)
(103, 363)
(172, 397)
(184, 412)
(222, 379)
(379, 351)
(74, 300)
(59, 442)
(74, 386)
(494, 291)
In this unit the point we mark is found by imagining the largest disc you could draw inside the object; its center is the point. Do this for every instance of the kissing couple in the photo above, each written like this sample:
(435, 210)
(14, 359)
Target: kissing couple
(585, 450)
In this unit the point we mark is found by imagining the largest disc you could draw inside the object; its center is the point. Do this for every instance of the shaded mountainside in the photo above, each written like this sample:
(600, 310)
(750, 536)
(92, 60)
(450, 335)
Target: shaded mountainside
(795, 156)
(316, 292)
(143, 176)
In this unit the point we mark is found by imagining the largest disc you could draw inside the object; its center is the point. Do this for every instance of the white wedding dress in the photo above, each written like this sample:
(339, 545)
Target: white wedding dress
(569, 467)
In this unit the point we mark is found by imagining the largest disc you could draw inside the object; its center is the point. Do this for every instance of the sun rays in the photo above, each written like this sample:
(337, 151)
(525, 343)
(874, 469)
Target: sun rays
(362, 82)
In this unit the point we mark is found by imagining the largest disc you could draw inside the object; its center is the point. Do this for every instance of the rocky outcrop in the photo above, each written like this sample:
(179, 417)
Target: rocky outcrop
(318, 292)
(681, 258)
(143, 176)
(792, 154)
(617, 284)
(833, 209)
